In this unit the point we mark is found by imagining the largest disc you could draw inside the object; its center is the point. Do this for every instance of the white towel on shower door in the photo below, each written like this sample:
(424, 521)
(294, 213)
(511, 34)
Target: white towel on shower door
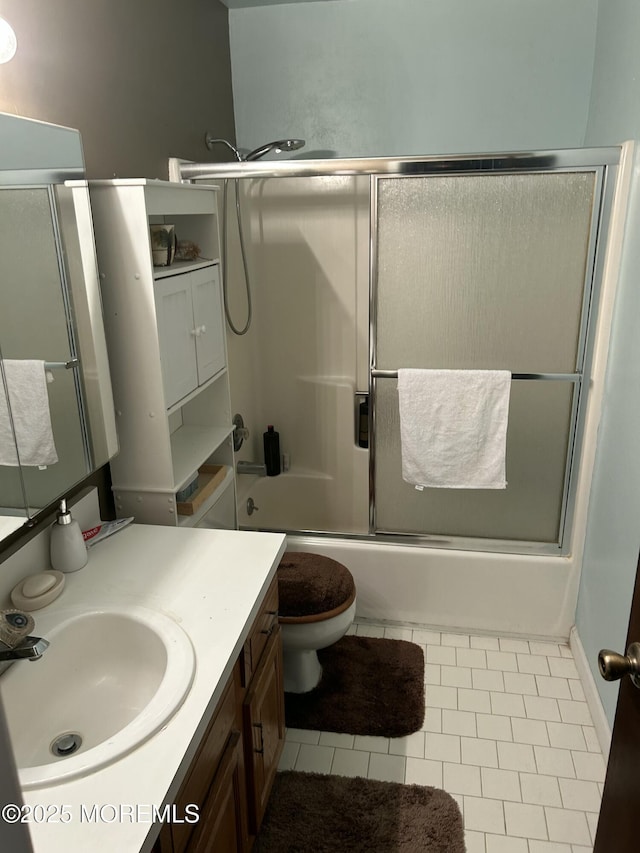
(453, 427)
(29, 401)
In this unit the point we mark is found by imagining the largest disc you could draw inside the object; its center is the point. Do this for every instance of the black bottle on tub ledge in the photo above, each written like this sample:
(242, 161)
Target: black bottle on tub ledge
(272, 451)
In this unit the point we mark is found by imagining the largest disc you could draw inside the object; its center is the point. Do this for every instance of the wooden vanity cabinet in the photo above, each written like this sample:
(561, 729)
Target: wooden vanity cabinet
(231, 776)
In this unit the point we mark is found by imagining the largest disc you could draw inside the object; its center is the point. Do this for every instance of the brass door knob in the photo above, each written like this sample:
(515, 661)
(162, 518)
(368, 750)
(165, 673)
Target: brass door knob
(613, 666)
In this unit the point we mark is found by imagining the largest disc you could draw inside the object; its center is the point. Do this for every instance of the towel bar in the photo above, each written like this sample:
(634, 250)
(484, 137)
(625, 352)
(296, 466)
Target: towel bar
(564, 377)
(67, 365)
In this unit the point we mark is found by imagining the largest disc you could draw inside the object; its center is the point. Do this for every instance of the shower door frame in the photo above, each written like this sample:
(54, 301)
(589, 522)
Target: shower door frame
(605, 161)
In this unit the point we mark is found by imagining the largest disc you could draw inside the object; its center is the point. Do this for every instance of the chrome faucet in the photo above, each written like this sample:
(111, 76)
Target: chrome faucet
(29, 648)
(15, 642)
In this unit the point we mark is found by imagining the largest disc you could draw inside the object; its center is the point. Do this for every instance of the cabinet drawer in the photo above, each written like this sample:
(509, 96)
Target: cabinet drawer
(264, 626)
(198, 782)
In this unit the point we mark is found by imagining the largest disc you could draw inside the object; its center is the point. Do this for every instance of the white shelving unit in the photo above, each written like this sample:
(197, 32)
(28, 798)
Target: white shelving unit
(167, 351)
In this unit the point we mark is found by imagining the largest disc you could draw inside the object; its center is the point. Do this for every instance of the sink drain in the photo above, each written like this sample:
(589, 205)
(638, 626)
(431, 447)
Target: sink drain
(66, 744)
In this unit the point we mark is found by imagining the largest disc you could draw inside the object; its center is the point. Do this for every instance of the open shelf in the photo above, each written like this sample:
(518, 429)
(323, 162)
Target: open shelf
(178, 267)
(191, 446)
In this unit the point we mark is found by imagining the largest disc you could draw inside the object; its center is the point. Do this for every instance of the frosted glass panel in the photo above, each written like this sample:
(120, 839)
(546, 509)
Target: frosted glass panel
(482, 271)
(527, 510)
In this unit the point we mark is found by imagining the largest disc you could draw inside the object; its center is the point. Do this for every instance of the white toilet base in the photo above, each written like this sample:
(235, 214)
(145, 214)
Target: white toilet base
(302, 669)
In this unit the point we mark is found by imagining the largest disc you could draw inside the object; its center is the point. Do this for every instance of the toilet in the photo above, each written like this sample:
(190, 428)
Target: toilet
(317, 605)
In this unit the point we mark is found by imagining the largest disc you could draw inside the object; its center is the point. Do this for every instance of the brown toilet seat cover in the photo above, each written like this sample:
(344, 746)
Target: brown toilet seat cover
(310, 584)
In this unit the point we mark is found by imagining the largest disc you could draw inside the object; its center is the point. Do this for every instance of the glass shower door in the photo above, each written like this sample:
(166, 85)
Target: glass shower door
(489, 271)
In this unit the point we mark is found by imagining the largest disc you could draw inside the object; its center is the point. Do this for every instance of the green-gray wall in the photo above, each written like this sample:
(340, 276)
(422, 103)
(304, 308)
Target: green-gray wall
(385, 77)
(613, 531)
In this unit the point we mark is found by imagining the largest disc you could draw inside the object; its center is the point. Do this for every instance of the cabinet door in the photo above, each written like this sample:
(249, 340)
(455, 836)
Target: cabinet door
(263, 713)
(207, 317)
(220, 826)
(176, 333)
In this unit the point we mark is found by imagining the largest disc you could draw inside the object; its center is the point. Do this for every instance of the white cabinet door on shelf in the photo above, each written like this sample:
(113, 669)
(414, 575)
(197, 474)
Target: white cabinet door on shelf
(207, 312)
(190, 330)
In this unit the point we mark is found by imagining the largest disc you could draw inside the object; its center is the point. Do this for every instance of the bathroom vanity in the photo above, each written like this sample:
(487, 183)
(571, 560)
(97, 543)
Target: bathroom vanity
(206, 774)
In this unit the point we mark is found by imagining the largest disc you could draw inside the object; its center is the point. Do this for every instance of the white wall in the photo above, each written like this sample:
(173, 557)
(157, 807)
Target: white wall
(383, 77)
(613, 528)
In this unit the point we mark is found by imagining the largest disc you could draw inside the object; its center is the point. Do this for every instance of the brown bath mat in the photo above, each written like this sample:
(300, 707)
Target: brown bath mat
(369, 686)
(312, 813)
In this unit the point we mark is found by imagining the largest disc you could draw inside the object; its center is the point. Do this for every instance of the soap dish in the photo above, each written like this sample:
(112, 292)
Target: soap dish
(36, 591)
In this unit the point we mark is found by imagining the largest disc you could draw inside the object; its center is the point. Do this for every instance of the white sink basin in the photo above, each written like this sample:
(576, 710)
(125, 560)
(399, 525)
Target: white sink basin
(111, 677)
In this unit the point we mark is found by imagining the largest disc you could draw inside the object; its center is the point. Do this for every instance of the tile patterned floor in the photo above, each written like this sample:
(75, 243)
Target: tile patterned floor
(507, 732)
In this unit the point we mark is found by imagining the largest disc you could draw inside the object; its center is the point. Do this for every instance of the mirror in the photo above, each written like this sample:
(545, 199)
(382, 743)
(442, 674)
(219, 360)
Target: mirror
(57, 421)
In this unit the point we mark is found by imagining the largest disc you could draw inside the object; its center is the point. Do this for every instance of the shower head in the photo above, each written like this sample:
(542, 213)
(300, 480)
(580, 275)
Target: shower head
(278, 146)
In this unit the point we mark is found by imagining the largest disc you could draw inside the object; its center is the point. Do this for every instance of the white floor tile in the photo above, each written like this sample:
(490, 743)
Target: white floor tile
(580, 795)
(441, 654)
(432, 720)
(289, 755)
(459, 723)
(456, 676)
(432, 673)
(350, 762)
(457, 640)
(530, 731)
(505, 661)
(535, 664)
(371, 743)
(549, 847)
(423, 771)
(556, 688)
(566, 736)
(474, 658)
(485, 643)
(474, 700)
(494, 727)
(507, 704)
(387, 768)
(591, 739)
(461, 779)
(314, 759)
(336, 739)
(442, 747)
(479, 751)
(570, 827)
(303, 736)
(520, 682)
(366, 630)
(542, 708)
(500, 784)
(425, 638)
(577, 691)
(412, 745)
(487, 679)
(539, 647)
(525, 820)
(509, 644)
(540, 790)
(589, 766)
(394, 633)
(554, 762)
(574, 712)
(592, 821)
(484, 815)
(505, 844)
(441, 697)
(563, 668)
(516, 756)
(474, 841)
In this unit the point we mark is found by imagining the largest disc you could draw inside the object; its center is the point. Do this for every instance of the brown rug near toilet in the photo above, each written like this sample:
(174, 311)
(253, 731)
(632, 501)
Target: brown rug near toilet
(312, 813)
(369, 686)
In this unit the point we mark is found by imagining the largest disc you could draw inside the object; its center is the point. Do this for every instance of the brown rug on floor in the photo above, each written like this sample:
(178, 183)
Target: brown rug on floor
(369, 686)
(312, 813)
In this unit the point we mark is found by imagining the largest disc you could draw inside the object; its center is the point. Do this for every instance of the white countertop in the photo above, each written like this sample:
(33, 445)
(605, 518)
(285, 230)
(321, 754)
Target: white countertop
(211, 583)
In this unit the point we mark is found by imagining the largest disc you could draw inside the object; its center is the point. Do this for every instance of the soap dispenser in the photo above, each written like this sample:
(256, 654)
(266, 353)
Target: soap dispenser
(67, 549)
